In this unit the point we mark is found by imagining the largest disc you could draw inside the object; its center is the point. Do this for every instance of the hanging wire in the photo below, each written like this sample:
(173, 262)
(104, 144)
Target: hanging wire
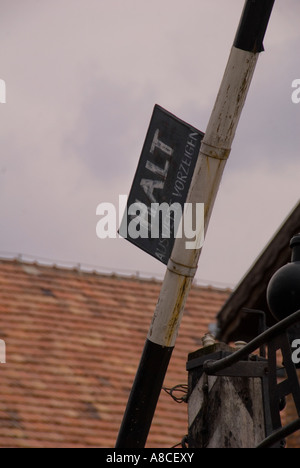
(179, 393)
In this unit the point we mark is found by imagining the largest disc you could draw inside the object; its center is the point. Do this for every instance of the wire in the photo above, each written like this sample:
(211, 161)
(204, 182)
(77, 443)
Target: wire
(183, 444)
(180, 389)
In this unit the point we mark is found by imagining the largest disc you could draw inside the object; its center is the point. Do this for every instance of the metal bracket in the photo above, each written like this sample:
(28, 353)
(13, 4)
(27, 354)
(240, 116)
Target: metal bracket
(249, 369)
(181, 270)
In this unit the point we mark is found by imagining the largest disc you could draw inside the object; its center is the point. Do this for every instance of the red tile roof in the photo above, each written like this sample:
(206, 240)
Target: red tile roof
(73, 343)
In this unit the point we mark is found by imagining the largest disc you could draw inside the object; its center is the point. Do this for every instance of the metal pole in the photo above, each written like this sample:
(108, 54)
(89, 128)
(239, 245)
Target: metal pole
(182, 267)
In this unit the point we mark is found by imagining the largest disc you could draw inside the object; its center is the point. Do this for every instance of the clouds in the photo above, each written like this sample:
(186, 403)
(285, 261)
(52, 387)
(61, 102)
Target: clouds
(107, 138)
(82, 79)
(250, 207)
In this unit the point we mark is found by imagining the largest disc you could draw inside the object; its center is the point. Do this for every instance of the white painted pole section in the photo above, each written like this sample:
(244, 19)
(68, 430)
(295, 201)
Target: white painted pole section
(214, 152)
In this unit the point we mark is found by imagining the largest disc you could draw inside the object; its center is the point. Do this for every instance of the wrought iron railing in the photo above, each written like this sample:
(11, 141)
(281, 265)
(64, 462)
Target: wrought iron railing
(277, 386)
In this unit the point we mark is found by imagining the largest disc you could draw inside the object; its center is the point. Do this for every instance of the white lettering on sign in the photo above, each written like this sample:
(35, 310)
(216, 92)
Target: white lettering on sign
(160, 145)
(149, 185)
(2, 92)
(184, 168)
(158, 170)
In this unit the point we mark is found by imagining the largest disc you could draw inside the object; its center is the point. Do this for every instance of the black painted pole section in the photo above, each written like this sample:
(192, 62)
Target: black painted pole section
(182, 267)
(144, 396)
(253, 25)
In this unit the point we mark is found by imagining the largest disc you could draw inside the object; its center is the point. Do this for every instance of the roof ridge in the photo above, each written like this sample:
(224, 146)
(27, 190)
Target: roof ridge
(105, 272)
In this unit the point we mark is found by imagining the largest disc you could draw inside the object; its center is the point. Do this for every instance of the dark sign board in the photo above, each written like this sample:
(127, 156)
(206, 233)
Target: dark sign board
(161, 184)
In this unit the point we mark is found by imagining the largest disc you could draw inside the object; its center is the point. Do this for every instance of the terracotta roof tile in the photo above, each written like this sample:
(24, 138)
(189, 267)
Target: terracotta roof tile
(74, 342)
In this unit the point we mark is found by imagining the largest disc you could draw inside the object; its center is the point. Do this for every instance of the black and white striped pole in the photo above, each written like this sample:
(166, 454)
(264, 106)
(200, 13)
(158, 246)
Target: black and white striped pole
(182, 267)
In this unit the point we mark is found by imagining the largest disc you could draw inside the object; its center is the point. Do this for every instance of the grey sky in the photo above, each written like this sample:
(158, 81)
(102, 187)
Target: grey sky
(82, 79)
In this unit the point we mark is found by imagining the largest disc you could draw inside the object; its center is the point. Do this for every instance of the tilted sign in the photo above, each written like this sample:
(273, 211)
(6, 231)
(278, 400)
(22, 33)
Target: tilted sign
(161, 184)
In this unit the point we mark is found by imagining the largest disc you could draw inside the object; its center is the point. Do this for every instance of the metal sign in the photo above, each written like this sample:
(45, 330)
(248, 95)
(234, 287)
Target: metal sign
(161, 184)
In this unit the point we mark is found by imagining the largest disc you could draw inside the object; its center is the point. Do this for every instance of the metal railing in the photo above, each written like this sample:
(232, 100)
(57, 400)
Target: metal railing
(275, 339)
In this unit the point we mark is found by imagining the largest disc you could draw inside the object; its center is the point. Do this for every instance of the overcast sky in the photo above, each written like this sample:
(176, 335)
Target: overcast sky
(82, 78)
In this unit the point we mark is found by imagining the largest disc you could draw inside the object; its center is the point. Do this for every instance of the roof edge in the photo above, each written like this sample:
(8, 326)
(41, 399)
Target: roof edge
(85, 269)
(264, 266)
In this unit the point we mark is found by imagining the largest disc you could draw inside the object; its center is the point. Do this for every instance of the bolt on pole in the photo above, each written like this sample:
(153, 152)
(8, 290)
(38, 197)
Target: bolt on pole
(182, 267)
